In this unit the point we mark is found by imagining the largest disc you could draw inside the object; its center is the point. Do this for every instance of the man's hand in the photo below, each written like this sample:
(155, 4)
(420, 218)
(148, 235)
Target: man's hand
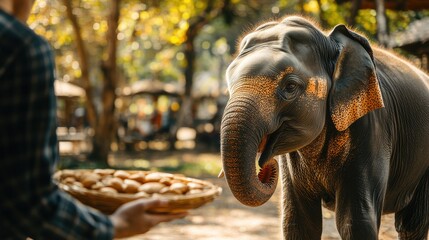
(132, 218)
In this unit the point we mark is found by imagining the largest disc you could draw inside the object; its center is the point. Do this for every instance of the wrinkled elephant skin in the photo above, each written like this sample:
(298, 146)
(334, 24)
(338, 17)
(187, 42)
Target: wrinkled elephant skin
(342, 123)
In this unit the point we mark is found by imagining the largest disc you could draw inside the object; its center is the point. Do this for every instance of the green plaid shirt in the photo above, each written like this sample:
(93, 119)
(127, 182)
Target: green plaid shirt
(30, 203)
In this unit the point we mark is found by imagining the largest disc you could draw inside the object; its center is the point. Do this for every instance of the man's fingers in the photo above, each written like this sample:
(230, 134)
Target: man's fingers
(146, 204)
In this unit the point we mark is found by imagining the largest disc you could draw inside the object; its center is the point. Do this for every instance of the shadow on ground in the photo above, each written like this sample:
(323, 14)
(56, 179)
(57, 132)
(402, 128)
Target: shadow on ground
(225, 218)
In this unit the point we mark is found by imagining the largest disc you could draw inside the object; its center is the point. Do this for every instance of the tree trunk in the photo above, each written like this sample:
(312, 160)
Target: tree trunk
(185, 117)
(84, 65)
(105, 130)
(382, 27)
(351, 20)
(322, 20)
(301, 6)
(192, 33)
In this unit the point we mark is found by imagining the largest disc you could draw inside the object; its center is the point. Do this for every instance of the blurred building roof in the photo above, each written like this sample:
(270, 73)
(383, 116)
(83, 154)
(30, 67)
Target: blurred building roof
(394, 4)
(415, 39)
(148, 86)
(64, 89)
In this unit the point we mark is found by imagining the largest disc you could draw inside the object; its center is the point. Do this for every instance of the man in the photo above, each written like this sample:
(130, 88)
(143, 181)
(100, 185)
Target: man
(31, 205)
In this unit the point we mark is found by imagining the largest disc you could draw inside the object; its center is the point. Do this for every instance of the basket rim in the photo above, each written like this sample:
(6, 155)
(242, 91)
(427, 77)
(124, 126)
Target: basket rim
(212, 191)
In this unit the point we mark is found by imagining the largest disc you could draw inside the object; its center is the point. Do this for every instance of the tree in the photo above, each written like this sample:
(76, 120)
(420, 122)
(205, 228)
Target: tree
(382, 27)
(83, 63)
(96, 67)
(196, 24)
(351, 20)
(103, 45)
(102, 122)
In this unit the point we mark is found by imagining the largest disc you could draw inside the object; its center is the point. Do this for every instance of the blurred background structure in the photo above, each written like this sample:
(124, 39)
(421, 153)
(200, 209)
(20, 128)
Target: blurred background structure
(137, 77)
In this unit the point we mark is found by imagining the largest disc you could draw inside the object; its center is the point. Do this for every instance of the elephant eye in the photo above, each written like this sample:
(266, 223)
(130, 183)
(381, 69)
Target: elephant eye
(290, 87)
(288, 91)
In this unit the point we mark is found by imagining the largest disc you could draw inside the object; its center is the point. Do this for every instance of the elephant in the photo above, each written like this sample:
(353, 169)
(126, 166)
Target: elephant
(343, 123)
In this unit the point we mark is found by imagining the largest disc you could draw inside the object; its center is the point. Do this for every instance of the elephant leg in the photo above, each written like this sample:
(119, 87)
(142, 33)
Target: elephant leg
(301, 216)
(412, 222)
(359, 204)
(357, 217)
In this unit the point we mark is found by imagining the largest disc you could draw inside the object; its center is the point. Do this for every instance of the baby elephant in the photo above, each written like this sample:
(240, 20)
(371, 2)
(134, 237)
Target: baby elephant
(347, 122)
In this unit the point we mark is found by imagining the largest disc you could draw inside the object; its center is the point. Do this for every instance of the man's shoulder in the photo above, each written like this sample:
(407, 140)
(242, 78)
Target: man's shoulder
(13, 33)
(17, 38)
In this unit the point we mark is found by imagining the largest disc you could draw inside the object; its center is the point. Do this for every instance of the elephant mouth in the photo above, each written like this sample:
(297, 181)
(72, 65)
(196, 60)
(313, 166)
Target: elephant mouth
(268, 165)
(266, 148)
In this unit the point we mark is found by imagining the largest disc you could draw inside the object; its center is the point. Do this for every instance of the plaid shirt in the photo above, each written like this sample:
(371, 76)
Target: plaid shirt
(31, 205)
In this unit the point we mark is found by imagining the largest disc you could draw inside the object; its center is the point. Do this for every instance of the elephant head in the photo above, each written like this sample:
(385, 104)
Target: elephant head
(288, 80)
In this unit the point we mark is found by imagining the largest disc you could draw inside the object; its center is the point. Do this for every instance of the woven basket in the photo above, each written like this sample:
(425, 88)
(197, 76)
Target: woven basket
(109, 202)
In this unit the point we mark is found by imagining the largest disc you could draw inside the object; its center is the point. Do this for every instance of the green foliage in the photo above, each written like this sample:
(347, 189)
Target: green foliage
(151, 36)
(333, 13)
(151, 33)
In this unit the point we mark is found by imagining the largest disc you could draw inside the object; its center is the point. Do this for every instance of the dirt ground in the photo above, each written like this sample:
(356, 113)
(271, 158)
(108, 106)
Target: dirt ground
(227, 219)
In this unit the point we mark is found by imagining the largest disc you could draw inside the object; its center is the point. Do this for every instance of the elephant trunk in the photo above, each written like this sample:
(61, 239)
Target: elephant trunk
(242, 134)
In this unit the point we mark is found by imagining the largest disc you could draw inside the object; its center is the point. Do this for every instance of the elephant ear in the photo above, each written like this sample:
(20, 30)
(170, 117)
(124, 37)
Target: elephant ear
(355, 90)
